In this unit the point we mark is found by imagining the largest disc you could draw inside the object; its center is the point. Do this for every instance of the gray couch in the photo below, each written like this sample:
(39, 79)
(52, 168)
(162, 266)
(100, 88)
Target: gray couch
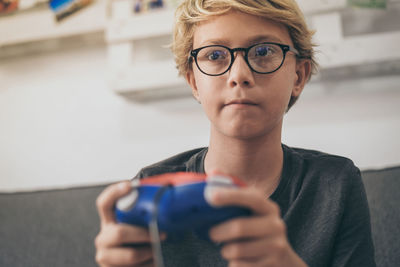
(57, 227)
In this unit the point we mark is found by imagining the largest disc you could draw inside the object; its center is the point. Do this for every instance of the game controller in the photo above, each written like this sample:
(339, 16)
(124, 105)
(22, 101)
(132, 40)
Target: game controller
(178, 201)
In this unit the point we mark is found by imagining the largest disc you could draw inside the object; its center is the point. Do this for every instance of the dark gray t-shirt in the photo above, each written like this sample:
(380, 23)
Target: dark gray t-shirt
(322, 201)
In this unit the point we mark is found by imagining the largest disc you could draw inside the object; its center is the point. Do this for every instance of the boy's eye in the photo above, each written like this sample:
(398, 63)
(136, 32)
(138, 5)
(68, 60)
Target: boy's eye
(263, 50)
(216, 55)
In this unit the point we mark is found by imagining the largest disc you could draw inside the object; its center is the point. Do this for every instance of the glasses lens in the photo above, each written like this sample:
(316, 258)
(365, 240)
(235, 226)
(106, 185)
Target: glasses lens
(213, 60)
(265, 57)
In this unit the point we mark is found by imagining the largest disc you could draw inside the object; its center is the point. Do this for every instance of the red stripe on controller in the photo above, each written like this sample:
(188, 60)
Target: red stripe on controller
(175, 179)
(181, 178)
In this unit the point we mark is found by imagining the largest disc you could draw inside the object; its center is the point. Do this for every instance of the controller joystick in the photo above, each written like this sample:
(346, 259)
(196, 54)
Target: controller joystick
(178, 201)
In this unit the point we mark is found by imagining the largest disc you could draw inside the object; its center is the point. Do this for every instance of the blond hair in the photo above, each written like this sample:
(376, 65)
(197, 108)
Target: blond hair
(191, 12)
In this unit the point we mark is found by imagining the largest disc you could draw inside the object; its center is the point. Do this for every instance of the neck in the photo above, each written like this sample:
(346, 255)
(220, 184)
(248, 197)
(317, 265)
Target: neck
(257, 161)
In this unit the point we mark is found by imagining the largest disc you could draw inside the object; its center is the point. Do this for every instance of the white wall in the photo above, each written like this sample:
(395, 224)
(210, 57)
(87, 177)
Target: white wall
(61, 125)
(359, 119)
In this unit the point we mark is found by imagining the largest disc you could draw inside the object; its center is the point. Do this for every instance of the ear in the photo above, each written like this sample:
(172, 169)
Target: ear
(190, 79)
(303, 72)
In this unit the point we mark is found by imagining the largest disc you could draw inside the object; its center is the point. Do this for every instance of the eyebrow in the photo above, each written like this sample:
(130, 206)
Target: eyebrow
(250, 41)
(264, 38)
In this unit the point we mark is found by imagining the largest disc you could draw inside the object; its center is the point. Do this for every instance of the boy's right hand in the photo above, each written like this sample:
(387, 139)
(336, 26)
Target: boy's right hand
(120, 244)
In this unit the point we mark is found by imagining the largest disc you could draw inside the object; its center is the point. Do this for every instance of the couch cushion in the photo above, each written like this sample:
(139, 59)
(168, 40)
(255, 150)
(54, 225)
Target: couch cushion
(383, 193)
(49, 228)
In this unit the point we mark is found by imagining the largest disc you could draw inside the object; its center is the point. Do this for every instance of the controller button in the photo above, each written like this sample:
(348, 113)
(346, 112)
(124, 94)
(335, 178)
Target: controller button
(127, 202)
(219, 180)
(214, 183)
(208, 191)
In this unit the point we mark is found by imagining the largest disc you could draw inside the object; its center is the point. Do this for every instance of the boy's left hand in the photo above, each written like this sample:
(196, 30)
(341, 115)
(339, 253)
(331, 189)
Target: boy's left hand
(258, 240)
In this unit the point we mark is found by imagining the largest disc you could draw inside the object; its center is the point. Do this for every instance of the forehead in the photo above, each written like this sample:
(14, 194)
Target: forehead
(239, 29)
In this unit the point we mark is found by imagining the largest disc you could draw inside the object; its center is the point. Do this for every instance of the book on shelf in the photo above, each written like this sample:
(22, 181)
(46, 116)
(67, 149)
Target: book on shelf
(145, 6)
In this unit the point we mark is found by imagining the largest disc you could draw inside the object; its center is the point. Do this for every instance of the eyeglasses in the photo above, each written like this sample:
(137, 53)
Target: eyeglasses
(264, 58)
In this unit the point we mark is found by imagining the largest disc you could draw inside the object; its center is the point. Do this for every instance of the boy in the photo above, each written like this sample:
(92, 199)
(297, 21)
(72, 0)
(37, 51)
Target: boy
(247, 62)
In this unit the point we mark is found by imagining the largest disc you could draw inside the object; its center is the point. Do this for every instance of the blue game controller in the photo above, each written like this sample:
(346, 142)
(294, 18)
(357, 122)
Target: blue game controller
(178, 202)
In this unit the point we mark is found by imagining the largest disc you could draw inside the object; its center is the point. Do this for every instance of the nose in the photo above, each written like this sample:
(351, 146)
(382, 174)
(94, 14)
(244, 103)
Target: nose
(240, 73)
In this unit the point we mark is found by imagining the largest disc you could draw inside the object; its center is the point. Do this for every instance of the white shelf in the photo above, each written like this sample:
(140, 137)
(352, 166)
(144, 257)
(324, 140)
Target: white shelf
(140, 26)
(154, 75)
(310, 7)
(363, 49)
(40, 24)
(128, 73)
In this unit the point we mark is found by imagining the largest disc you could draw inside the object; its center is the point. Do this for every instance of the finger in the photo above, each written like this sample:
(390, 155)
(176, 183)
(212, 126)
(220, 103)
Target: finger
(265, 262)
(251, 263)
(123, 256)
(106, 200)
(118, 234)
(215, 172)
(244, 197)
(254, 249)
(149, 263)
(245, 228)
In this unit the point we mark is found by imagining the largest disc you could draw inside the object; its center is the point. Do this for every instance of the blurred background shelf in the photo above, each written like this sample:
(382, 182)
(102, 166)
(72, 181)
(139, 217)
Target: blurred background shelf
(142, 26)
(310, 7)
(163, 74)
(39, 24)
(139, 60)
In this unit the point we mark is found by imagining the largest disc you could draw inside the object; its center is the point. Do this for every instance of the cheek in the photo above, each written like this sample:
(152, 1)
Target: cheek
(208, 87)
(287, 80)
(278, 84)
(277, 91)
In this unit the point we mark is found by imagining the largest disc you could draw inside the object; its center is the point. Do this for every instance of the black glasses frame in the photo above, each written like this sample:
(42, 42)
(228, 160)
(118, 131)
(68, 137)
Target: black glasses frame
(285, 50)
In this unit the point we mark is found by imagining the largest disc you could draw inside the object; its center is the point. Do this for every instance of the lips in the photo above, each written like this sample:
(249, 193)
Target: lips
(241, 102)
